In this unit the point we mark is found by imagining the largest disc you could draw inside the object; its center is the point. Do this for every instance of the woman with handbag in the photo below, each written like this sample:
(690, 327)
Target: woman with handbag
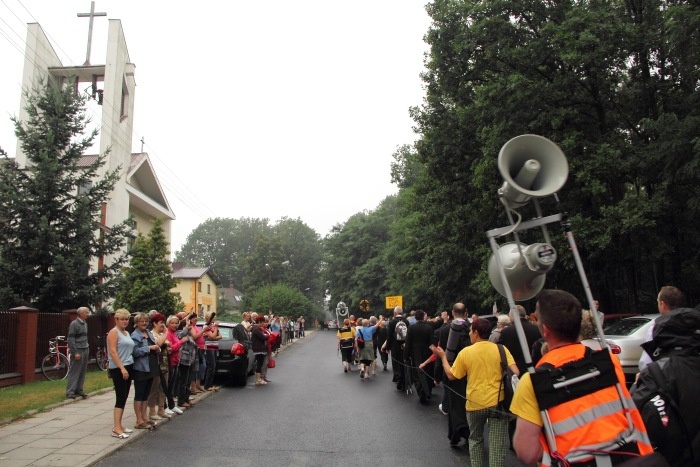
(259, 337)
(365, 348)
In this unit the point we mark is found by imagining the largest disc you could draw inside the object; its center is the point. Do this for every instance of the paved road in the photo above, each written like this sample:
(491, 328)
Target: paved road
(312, 414)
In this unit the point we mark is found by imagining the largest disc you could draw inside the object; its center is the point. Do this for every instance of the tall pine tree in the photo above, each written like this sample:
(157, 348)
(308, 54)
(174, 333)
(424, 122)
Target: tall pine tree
(50, 211)
(148, 280)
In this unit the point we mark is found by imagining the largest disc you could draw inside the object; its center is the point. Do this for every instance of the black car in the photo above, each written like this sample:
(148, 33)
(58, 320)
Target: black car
(234, 357)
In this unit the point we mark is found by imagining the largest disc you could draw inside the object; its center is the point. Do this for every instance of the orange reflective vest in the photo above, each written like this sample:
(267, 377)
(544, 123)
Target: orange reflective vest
(594, 422)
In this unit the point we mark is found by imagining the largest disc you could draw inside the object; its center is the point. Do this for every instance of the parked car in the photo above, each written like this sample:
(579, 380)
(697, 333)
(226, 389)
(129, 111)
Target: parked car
(332, 324)
(625, 338)
(612, 318)
(234, 357)
(490, 318)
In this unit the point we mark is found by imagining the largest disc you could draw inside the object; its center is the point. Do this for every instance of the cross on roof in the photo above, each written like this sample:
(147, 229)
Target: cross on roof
(91, 15)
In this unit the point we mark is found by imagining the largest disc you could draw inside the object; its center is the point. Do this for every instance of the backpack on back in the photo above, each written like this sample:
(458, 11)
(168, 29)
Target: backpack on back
(401, 330)
(457, 339)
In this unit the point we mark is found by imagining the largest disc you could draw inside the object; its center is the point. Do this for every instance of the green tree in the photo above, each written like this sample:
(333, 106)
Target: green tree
(302, 247)
(354, 255)
(50, 211)
(604, 80)
(283, 301)
(148, 280)
(223, 244)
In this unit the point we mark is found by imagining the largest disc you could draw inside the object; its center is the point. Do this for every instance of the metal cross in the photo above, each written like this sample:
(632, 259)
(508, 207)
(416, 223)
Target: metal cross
(91, 15)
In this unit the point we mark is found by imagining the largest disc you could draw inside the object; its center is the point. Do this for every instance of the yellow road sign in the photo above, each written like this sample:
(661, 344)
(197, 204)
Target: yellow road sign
(393, 302)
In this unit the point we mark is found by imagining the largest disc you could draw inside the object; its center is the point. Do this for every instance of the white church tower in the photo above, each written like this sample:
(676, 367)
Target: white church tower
(138, 192)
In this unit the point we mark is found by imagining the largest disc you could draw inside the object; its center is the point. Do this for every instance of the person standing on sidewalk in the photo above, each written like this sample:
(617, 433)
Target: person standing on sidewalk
(120, 346)
(79, 351)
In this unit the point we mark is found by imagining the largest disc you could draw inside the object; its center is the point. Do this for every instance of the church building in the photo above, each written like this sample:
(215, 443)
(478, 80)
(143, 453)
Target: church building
(137, 193)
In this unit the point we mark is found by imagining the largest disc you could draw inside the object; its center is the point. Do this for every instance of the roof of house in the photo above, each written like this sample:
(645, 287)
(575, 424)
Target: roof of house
(195, 273)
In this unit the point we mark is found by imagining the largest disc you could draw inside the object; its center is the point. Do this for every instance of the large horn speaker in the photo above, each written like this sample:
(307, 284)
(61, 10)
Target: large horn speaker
(525, 267)
(532, 167)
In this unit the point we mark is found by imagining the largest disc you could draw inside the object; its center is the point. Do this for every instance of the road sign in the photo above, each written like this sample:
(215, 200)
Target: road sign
(364, 305)
(393, 302)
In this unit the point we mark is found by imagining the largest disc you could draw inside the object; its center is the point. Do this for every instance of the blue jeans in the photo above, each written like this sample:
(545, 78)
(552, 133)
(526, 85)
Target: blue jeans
(210, 368)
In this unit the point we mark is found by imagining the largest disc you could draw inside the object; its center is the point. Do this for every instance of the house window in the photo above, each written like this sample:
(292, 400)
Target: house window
(208, 307)
(85, 187)
(209, 289)
(199, 286)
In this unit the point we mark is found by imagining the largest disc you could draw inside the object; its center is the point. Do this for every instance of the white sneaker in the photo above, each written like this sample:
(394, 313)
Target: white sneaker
(177, 410)
(169, 412)
(441, 411)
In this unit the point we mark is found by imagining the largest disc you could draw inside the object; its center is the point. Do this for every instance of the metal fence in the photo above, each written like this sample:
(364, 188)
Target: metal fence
(8, 341)
(49, 325)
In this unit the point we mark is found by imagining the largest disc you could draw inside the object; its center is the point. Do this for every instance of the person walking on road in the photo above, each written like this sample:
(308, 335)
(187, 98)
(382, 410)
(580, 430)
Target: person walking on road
(365, 350)
(481, 364)
(120, 348)
(395, 340)
(419, 338)
(346, 343)
(79, 351)
(600, 424)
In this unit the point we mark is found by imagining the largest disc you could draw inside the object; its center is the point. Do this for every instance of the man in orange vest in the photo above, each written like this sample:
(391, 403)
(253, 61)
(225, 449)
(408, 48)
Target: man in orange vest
(584, 430)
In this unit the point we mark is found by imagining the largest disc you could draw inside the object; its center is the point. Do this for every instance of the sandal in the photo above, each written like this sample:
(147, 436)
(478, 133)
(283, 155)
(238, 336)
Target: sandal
(119, 435)
(212, 389)
(143, 426)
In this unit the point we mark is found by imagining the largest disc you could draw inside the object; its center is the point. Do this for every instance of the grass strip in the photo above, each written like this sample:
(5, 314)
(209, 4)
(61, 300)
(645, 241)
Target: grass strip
(20, 399)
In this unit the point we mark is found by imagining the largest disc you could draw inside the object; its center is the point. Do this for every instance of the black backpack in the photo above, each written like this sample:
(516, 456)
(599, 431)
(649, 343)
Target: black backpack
(666, 414)
(457, 339)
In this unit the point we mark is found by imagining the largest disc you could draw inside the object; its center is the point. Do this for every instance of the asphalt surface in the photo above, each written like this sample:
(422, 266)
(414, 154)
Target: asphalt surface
(312, 414)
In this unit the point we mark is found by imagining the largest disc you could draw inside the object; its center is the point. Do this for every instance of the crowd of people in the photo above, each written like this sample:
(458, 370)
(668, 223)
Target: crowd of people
(166, 358)
(170, 359)
(598, 422)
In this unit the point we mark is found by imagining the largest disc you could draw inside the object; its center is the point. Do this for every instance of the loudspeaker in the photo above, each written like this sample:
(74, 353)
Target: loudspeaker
(525, 273)
(341, 309)
(532, 167)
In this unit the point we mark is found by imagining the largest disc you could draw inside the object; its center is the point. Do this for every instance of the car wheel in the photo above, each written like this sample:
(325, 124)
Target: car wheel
(239, 380)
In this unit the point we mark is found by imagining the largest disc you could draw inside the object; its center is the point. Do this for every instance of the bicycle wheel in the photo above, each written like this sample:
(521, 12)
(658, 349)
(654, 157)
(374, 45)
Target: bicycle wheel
(55, 366)
(101, 359)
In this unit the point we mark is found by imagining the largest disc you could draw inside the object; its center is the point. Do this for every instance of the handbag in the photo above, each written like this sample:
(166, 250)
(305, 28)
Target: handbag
(271, 363)
(509, 381)
(360, 341)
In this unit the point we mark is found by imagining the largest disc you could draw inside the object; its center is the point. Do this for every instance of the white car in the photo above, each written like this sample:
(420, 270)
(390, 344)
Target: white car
(625, 338)
(332, 324)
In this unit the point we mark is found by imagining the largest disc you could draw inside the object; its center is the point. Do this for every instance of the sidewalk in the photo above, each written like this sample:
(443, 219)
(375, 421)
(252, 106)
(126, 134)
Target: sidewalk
(76, 432)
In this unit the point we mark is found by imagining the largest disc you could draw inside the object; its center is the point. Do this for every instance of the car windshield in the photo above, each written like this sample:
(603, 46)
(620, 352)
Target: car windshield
(226, 333)
(626, 326)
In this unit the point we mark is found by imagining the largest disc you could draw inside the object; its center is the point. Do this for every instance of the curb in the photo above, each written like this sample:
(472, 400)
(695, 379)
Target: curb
(108, 451)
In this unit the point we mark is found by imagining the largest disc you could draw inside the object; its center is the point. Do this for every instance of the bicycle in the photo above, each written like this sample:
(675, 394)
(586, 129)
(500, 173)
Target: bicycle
(101, 354)
(57, 363)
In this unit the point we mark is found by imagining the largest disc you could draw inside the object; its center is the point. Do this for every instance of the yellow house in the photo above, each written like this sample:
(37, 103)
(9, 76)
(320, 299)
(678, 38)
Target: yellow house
(197, 288)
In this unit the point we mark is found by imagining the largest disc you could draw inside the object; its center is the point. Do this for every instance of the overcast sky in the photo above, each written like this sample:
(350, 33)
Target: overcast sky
(250, 108)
